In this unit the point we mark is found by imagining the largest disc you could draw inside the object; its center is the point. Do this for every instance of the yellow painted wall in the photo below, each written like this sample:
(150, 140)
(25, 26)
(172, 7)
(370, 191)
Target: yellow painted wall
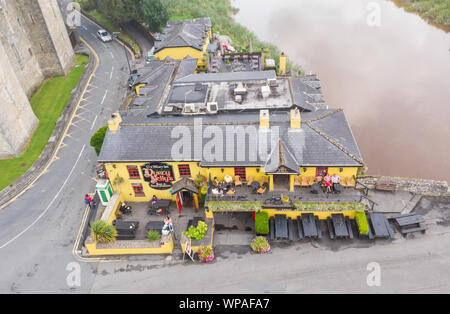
(167, 248)
(127, 192)
(179, 53)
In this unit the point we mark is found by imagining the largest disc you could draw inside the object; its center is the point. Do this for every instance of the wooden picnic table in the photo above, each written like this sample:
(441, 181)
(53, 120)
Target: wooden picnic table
(154, 225)
(281, 231)
(309, 226)
(340, 227)
(161, 204)
(409, 219)
(381, 226)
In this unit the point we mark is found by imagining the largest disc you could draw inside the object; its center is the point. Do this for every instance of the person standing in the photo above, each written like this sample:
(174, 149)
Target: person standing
(88, 200)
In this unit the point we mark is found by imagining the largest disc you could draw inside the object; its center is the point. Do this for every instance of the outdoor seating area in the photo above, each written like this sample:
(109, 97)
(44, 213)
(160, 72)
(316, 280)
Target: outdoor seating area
(236, 63)
(257, 190)
(338, 226)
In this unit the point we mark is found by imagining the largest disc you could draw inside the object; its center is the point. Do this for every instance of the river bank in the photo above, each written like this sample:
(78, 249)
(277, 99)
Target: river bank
(435, 12)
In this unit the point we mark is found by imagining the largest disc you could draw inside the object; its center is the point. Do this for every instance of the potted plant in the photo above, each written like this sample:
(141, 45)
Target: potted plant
(103, 232)
(260, 245)
(197, 233)
(118, 180)
(205, 254)
(153, 235)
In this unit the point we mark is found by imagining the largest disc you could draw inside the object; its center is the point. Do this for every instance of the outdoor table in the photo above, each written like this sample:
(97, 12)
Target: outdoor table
(130, 226)
(161, 204)
(281, 230)
(407, 220)
(315, 188)
(154, 225)
(338, 188)
(309, 225)
(380, 226)
(340, 227)
(255, 186)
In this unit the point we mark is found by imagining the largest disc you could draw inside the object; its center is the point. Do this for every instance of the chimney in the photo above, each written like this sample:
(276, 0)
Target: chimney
(264, 119)
(296, 119)
(114, 123)
(283, 61)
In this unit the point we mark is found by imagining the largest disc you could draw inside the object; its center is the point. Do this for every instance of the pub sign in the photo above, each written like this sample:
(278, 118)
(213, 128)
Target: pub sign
(159, 175)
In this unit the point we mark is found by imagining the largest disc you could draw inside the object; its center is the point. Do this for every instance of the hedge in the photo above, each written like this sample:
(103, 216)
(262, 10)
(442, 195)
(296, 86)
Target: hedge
(261, 223)
(361, 221)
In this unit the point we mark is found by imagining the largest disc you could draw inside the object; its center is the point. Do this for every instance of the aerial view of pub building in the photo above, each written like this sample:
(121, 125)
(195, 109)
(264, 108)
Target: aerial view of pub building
(238, 137)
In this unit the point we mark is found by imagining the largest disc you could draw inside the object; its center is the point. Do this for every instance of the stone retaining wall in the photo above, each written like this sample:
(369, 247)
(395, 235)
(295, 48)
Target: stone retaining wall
(417, 186)
(45, 158)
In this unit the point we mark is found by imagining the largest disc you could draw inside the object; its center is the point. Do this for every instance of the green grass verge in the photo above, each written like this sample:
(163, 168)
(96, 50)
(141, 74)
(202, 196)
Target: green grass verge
(48, 104)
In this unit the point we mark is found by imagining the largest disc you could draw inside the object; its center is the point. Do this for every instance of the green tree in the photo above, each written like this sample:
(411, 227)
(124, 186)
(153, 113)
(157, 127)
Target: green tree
(98, 138)
(154, 14)
(103, 232)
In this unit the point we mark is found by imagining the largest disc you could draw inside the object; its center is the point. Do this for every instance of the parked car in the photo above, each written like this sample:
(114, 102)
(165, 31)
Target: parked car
(104, 36)
(133, 79)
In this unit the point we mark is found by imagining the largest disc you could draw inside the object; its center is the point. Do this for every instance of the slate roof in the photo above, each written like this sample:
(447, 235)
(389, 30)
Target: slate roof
(307, 95)
(185, 33)
(229, 77)
(325, 139)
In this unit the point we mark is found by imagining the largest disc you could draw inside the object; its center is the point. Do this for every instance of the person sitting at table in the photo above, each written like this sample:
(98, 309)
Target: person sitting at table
(335, 179)
(328, 185)
(216, 182)
(154, 200)
(217, 192)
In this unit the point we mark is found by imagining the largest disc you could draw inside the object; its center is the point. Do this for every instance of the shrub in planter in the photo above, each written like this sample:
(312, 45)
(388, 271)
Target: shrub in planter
(153, 235)
(361, 221)
(262, 223)
(102, 232)
(197, 233)
(260, 245)
(205, 254)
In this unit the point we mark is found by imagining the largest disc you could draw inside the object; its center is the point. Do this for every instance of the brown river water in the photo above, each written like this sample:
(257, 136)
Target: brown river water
(388, 69)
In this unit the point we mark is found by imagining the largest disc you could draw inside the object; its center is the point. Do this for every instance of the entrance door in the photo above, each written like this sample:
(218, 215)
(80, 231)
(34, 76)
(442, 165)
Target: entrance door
(281, 182)
(187, 199)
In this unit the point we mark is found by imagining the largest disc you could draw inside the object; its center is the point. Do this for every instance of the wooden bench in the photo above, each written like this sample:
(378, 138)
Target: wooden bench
(272, 228)
(290, 229)
(330, 229)
(385, 185)
(300, 228)
(410, 230)
(349, 227)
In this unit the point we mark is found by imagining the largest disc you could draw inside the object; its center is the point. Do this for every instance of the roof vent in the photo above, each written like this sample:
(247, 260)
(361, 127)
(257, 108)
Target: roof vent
(265, 91)
(212, 108)
(272, 82)
(240, 89)
(198, 87)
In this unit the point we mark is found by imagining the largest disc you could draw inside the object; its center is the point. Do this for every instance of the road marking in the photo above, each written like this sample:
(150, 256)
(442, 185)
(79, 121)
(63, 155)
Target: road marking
(93, 123)
(49, 205)
(104, 97)
(110, 77)
(112, 56)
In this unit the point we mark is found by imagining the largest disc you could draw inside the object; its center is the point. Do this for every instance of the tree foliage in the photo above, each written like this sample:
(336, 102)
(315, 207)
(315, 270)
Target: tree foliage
(98, 138)
(154, 14)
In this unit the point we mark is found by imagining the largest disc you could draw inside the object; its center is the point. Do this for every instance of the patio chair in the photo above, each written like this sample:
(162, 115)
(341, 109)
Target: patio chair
(262, 180)
(249, 181)
(311, 180)
(237, 181)
(344, 182)
(305, 182)
(351, 182)
(261, 190)
(319, 179)
(297, 181)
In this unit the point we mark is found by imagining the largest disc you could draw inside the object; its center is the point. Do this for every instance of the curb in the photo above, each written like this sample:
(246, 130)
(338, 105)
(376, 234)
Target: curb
(47, 155)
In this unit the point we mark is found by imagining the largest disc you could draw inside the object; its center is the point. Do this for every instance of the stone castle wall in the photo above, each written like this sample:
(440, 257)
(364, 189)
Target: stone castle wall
(34, 46)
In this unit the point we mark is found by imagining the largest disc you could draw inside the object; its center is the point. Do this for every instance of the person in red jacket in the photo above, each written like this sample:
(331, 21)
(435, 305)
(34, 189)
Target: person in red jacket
(88, 200)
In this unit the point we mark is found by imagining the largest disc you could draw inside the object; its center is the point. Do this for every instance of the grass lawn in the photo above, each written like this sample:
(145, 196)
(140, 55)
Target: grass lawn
(48, 104)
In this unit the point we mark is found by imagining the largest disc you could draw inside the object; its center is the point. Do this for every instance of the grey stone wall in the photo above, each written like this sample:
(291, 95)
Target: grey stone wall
(34, 46)
(417, 186)
(17, 120)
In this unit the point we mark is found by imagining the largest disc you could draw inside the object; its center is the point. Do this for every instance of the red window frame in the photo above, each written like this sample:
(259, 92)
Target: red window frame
(184, 170)
(133, 172)
(138, 189)
(241, 173)
(321, 172)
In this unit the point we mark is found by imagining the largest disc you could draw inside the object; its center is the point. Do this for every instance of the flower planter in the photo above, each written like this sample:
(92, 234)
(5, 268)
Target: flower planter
(262, 251)
(209, 259)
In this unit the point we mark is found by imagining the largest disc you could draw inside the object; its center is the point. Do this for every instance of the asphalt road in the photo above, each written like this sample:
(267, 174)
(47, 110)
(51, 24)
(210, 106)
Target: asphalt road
(38, 231)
